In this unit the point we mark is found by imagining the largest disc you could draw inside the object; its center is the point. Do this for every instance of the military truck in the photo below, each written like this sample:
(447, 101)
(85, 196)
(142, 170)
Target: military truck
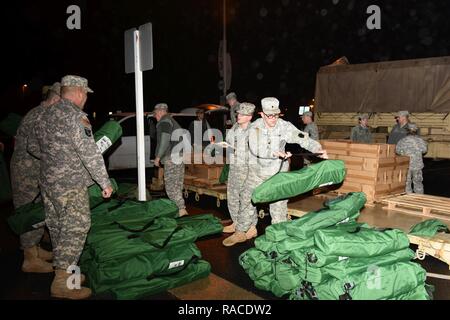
(421, 86)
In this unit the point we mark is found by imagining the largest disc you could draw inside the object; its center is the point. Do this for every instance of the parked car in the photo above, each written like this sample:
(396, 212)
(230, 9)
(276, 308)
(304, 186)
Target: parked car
(124, 155)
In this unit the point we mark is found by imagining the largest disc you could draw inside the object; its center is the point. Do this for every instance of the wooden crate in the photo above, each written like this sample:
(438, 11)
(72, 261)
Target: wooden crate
(206, 172)
(374, 169)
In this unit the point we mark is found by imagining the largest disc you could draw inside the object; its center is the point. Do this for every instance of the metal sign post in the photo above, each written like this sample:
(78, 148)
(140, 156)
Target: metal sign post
(139, 58)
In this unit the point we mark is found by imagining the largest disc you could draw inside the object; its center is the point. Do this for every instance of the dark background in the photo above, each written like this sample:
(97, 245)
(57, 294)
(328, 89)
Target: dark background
(277, 46)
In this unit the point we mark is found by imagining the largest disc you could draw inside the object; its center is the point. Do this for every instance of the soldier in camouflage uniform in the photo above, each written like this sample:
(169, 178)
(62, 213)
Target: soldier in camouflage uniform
(414, 147)
(311, 128)
(70, 161)
(173, 171)
(267, 139)
(25, 184)
(237, 138)
(400, 130)
(361, 133)
(234, 106)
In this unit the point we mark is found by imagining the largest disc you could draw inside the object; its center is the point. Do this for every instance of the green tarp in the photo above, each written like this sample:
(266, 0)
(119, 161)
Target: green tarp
(286, 185)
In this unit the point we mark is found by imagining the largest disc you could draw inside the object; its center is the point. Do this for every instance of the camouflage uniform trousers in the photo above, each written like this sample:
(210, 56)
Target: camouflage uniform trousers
(68, 218)
(242, 215)
(174, 181)
(278, 210)
(415, 178)
(25, 189)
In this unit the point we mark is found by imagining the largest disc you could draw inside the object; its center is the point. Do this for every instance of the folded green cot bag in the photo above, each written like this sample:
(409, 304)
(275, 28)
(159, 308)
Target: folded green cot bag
(131, 290)
(120, 245)
(152, 264)
(376, 283)
(346, 267)
(360, 243)
(429, 228)
(339, 210)
(32, 215)
(286, 185)
(107, 135)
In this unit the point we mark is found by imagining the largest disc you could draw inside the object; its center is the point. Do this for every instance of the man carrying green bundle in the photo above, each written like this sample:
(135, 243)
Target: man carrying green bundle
(25, 184)
(267, 139)
(237, 138)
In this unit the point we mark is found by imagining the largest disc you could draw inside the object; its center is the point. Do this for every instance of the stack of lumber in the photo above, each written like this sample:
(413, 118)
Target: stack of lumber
(374, 169)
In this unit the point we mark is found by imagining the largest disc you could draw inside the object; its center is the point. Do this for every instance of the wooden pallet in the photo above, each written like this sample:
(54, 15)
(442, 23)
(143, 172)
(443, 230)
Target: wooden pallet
(437, 246)
(420, 205)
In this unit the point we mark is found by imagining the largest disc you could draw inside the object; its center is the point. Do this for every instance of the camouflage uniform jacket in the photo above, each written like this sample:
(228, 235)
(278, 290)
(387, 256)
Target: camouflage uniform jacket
(361, 134)
(164, 129)
(398, 133)
(238, 139)
(64, 142)
(312, 130)
(263, 142)
(414, 147)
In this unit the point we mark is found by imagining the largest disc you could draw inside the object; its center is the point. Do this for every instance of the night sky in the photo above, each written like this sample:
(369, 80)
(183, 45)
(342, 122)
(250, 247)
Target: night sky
(276, 46)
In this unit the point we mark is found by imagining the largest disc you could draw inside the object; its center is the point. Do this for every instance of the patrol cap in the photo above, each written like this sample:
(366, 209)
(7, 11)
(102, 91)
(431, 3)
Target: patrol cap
(75, 81)
(307, 114)
(363, 116)
(246, 109)
(403, 114)
(231, 95)
(161, 106)
(270, 105)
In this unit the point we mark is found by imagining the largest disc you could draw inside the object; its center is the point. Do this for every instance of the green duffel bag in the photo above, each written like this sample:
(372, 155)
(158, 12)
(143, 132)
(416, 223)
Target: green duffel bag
(107, 135)
(203, 225)
(131, 290)
(152, 264)
(10, 124)
(261, 243)
(293, 244)
(285, 185)
(360, 243)
(224, 174)
(277, 232)
(307, 254)
(287, 278)
(346, 267)
(376, 283)
(342, 209)
(429, 228)
(115, 247)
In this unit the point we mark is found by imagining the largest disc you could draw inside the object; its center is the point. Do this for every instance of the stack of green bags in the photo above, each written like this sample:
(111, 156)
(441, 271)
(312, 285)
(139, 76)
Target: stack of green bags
(327, 255)
(136, 249)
